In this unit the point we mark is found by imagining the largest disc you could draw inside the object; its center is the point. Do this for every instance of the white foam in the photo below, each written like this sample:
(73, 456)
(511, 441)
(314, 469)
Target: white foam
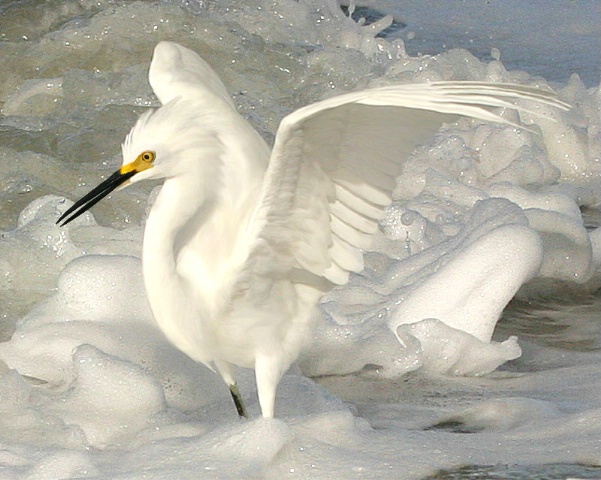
(444, 350)
(477, 279)
(110, 399)
(37, 249)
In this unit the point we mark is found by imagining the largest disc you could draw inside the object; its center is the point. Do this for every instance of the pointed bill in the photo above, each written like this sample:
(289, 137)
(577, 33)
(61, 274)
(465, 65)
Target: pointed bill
(143, 162)
(92, 198)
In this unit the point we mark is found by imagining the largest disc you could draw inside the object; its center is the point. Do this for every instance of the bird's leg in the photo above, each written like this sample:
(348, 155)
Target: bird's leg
(225, 370)
(238, 400)
(268, 372)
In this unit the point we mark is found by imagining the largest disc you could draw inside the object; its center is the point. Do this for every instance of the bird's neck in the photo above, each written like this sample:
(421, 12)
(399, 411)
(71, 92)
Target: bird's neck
(194, 246)
(165, 290)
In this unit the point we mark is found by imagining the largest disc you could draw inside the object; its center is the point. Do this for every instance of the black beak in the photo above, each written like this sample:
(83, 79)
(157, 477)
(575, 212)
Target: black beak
(95, 196)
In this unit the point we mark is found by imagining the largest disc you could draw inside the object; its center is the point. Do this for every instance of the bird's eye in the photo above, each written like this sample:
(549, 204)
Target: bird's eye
(148, 157)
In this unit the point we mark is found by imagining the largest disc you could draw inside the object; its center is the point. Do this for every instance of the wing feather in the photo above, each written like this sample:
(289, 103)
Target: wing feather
(347, 215)
(349, 234)
(176, 71)
(334, 164)
(357, 204)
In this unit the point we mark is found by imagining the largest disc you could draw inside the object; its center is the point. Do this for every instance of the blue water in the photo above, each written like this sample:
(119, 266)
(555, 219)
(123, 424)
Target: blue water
(549, 38)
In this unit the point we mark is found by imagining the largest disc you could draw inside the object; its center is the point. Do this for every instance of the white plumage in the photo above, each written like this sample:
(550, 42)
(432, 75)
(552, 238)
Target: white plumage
(241, 243)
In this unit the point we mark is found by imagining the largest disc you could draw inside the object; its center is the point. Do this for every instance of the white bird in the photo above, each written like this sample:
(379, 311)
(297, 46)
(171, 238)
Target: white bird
(242, 242)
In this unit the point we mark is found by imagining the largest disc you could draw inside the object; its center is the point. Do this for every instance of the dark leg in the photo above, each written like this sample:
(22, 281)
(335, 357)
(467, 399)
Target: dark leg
(238, 400)
(225, 370)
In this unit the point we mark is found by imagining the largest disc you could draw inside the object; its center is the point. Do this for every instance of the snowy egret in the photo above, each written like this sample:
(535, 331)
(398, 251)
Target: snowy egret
(242, 242)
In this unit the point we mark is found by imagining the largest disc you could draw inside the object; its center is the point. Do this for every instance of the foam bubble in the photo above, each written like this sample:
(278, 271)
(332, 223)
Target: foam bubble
(470, 289)
(63, 464)
(37, 249)
(110, 399)
(567, 245)
(101, 288)
(444, 350)
(504, 414)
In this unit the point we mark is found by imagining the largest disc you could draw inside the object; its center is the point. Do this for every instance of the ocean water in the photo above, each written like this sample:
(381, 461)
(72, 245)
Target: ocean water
(448, 357)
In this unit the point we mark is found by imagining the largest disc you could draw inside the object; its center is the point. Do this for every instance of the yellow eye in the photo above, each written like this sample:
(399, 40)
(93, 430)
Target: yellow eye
(148, 157)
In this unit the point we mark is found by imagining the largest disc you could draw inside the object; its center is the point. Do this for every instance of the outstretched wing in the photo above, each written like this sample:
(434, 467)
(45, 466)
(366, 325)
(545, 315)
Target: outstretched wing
(334, 163)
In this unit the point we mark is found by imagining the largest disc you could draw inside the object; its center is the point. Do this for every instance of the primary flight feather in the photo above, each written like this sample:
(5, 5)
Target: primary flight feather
(241, 242)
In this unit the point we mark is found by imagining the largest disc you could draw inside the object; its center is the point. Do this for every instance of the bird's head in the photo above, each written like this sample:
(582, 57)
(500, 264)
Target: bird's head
(146, 155)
